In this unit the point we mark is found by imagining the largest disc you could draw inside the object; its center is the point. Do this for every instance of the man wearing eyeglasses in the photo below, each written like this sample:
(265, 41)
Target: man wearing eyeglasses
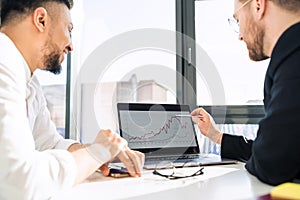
(270, 29)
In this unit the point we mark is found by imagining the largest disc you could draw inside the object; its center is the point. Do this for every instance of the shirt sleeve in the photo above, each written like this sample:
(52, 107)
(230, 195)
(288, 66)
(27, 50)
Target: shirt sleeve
(26, 173)
(236, 147)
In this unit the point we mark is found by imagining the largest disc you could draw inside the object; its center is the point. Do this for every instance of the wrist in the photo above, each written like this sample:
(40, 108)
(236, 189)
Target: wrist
(99, 153)
(75, 146)
(216, 136)
(219, 141)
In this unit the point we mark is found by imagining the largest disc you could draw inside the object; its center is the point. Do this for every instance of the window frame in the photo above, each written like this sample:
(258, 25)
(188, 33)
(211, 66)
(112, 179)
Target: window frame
(228, 114)
(68, 98)
(186, 79)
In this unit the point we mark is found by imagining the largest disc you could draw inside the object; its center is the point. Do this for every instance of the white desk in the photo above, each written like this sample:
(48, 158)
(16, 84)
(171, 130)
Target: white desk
(217, 182)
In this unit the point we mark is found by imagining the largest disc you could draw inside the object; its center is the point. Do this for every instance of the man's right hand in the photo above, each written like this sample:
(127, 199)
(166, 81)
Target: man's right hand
(206, 125)
(109, 145)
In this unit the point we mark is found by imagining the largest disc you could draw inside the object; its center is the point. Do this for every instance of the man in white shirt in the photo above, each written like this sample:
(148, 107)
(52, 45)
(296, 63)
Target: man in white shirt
(36, 162)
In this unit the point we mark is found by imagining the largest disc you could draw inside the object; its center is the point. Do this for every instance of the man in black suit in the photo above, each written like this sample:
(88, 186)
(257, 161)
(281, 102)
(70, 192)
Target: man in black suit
(270, 29)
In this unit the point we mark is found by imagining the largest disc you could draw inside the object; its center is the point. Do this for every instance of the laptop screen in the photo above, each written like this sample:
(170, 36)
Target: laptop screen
(158, 129)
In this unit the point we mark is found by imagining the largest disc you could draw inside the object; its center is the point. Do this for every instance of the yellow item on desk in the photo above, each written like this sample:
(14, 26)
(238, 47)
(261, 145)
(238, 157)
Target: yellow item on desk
(286, 191)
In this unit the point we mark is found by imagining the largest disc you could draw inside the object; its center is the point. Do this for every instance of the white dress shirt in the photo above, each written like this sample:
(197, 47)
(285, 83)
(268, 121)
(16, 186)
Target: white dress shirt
(33, 164)
(43, 129)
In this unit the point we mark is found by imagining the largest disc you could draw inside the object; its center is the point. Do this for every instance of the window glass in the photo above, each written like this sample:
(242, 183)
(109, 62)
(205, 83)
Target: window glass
(127, 53)
(54, 88)
(241, 78)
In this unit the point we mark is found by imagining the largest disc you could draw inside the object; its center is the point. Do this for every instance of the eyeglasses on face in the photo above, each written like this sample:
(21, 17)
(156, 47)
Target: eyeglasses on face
(235, 23)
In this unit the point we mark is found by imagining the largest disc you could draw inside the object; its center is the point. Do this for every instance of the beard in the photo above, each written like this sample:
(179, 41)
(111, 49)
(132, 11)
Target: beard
(52, 61)
(256, 48)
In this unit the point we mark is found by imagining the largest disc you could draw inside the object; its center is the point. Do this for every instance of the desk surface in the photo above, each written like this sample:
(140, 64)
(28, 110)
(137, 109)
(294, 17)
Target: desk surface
(217, 182)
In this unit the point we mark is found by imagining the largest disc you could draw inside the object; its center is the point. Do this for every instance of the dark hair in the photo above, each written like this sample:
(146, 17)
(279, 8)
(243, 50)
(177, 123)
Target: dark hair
(10, 8)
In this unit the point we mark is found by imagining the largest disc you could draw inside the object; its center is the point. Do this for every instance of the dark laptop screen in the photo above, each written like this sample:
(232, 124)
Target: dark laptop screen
(157, 128)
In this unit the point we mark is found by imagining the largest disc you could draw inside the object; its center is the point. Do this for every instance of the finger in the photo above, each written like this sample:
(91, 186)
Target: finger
(104, 169)
(195, 119)
(136, 159)
(141, 156)
(195, 112)
(117, 139)
(107, 132)
(124, 158)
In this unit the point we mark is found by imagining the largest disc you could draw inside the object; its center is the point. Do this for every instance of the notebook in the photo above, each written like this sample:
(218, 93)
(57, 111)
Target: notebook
(163, 135)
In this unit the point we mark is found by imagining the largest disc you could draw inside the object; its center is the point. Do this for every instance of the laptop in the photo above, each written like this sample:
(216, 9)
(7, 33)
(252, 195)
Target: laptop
(164, 133)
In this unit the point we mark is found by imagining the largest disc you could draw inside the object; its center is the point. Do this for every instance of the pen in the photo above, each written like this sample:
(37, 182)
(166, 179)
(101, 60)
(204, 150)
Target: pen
(197, 116)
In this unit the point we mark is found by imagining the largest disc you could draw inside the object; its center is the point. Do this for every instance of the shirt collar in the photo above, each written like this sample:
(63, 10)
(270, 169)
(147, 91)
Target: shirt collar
(28, 74)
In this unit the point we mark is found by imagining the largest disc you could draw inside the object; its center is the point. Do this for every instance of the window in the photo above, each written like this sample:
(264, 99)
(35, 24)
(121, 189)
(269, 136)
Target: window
(54, 88)
(130, 51)
(126, 53)
(242, 79)
(229, 84)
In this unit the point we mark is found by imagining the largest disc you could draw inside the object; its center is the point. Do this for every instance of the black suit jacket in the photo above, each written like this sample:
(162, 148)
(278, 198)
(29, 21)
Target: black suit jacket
(274, 156)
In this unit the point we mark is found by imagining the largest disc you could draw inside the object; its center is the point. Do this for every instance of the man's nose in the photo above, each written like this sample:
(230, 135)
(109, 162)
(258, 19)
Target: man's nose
(69, 48)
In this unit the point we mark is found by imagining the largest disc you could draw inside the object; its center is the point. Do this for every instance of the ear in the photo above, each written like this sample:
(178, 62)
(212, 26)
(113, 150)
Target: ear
(40, 17)
(260, 8)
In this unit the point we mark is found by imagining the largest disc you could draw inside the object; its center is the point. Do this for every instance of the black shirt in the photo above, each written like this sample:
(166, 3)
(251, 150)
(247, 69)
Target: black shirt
(274, 156)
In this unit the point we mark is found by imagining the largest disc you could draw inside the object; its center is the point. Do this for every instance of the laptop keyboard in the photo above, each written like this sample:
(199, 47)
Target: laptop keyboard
(172, 158)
